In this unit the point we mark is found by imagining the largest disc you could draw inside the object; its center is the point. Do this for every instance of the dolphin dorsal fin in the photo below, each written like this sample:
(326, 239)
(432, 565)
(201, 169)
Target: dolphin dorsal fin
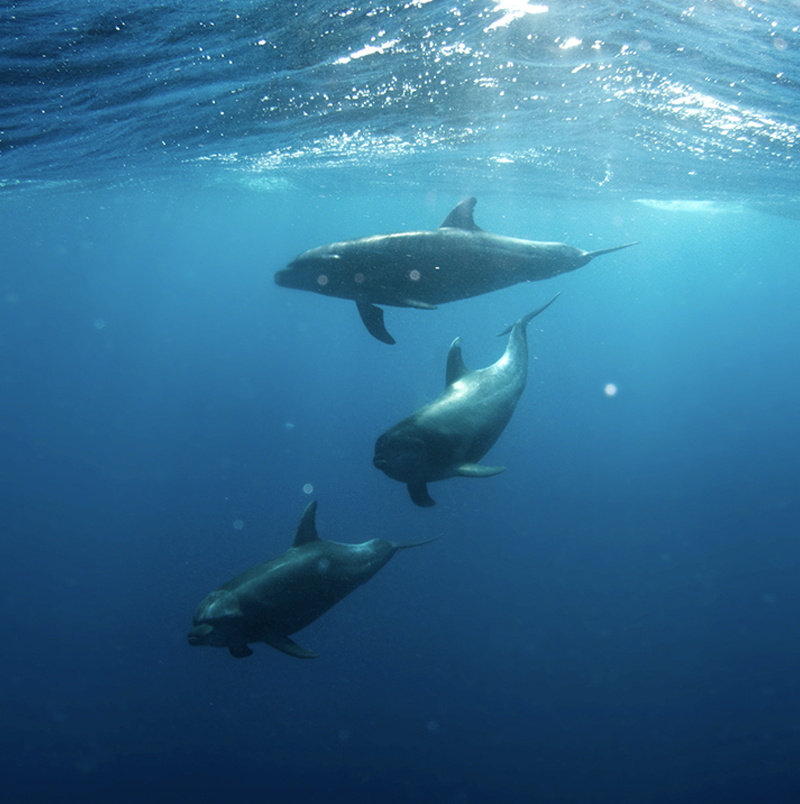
(460, 217)
(456, 368)
(307, 529)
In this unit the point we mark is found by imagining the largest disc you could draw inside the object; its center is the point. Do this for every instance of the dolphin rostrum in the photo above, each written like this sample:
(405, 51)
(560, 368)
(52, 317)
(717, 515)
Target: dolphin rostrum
(272, 600)
(447, 437)
(422, 269)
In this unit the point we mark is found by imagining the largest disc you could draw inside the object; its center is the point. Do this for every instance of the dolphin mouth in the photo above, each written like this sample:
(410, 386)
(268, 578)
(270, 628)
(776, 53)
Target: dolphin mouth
(380, 463)
(197, 635)
(282, 276)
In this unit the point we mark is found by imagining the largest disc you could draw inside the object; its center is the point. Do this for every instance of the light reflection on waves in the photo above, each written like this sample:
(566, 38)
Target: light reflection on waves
(597, 97)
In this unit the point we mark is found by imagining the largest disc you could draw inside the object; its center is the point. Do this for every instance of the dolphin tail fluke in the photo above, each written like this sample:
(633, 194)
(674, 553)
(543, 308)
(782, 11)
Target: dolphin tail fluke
(525, 320)
(419, 495)
(372, 317)
(592, 254)
(418, 544)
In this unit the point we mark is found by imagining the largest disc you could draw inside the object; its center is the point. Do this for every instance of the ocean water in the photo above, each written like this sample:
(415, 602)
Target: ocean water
(615, 617)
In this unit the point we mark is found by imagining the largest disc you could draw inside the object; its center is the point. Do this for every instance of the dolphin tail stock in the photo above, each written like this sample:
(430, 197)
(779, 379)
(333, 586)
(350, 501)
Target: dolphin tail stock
(525, 320)
(592, 254)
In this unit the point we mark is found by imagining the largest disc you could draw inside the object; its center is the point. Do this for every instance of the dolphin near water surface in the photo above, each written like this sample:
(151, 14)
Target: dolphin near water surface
(422, 269)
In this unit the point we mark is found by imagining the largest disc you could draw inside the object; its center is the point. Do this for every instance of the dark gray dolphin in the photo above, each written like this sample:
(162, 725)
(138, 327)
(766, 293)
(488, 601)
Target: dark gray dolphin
(447, 437)
(272, 600)
(422, 269)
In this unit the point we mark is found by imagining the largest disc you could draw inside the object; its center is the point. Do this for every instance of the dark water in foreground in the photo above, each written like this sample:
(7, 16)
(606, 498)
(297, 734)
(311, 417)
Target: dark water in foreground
(614, 618)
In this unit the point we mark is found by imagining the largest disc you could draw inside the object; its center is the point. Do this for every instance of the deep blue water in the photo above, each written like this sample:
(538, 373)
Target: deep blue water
(615, 617)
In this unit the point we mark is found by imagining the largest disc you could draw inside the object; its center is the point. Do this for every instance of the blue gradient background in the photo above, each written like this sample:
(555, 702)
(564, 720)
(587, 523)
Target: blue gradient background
(612, 619)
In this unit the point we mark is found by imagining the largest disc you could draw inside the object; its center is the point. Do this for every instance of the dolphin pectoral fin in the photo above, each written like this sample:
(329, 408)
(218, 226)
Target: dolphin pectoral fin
(240, 651)
(372, 317)
(419, 495)
(286, 645)
(476, 470)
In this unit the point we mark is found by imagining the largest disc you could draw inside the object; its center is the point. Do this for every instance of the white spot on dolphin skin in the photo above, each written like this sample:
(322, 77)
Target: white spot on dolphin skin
(238, 524)
(414, 275)
(610, 389)
(322, 280)
(323, 565)
(308, 489)
(359, 278)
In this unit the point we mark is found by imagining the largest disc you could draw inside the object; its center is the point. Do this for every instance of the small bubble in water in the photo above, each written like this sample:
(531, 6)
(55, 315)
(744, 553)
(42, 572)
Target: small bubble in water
(238, 524)
(289, 425)
(432, 726)
(610, 389)
(99, 323)
(308, 489)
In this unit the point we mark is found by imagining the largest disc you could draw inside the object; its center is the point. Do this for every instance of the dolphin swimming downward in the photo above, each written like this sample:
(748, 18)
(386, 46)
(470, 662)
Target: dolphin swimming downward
(422, 269)
(447, 437)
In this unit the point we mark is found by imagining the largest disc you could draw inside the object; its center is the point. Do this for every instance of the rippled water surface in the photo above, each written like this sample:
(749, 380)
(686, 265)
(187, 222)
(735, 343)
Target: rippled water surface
(658, 98)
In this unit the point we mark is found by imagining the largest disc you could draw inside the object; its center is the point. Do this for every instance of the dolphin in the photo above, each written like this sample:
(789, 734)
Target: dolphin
(272, 600)
(422, 269)
(447, 437)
